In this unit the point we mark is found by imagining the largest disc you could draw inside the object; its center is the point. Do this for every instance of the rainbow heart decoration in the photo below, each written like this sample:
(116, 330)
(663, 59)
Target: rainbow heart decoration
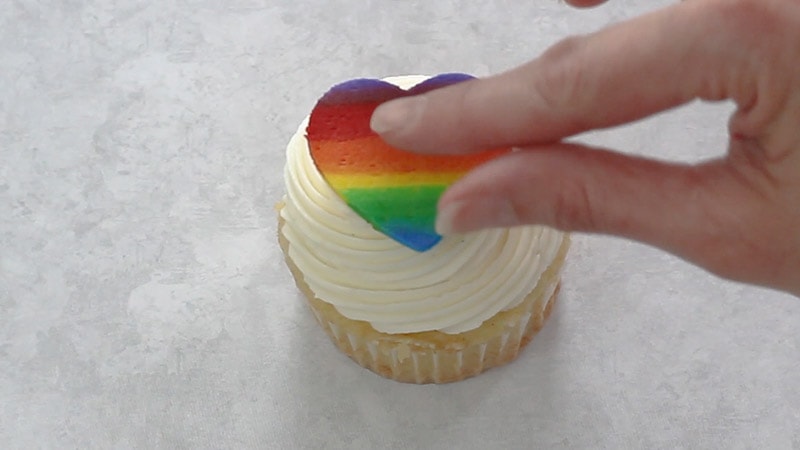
(394, 190)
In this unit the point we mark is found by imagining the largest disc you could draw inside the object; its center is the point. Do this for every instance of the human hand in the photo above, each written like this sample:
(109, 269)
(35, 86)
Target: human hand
(737, 216)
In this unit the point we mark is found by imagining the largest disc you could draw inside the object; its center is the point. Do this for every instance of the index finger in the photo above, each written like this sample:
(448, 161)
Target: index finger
(617, 75)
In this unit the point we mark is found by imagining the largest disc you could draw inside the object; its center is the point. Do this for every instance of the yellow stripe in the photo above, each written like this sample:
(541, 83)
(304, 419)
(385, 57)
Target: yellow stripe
(350, 181)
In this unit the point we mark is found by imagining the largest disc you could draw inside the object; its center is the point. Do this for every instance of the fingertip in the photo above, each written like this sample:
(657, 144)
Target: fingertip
(479, 200)
(446, 218)
(476, 213)
(585, 3)
(395, 116)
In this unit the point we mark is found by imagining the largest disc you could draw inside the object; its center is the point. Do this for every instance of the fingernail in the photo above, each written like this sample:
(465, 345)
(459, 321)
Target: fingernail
(395, 115)
(475, 214)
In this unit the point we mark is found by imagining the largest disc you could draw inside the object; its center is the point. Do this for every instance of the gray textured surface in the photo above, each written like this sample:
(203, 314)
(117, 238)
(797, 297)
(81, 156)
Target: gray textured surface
(143, 298)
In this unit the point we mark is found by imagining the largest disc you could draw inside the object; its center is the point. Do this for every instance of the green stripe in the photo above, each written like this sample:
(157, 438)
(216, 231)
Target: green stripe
(412, 206)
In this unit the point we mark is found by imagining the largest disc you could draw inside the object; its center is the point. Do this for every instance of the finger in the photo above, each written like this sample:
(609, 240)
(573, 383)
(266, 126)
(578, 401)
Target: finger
(571, 187)
(625, 72)
(702, 213)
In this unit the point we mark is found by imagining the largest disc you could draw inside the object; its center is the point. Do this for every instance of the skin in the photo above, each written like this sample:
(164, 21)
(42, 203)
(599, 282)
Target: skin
(737, 216)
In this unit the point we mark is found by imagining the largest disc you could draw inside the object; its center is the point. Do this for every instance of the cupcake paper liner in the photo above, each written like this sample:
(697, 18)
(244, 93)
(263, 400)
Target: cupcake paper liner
(433, 356)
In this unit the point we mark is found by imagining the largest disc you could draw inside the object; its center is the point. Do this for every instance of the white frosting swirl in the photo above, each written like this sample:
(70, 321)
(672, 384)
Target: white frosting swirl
(452, 288)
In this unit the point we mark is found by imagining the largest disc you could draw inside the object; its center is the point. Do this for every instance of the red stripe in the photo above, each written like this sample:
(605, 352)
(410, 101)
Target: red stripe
(371, 155)
(340, 122)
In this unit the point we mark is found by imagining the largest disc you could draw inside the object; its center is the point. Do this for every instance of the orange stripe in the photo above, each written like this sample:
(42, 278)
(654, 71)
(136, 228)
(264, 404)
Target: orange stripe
(341, 181)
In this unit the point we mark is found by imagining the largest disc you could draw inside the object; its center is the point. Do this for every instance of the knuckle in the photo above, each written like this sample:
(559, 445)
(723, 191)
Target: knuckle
(560, 82)
(575, 208)
(467, 117)
(763, 41)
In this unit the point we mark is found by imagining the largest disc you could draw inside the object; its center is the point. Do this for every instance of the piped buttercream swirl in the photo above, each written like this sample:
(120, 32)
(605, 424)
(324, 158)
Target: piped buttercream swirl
(452, 288)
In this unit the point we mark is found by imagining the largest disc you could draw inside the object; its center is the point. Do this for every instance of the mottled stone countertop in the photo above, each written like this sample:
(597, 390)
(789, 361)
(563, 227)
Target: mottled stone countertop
(144, 302)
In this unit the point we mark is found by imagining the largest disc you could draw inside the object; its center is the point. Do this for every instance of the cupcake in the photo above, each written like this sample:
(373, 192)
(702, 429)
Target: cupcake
(356, 229)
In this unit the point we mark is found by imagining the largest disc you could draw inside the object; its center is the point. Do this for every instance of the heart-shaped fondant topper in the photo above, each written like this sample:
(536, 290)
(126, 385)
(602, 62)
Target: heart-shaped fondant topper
(394, 190)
